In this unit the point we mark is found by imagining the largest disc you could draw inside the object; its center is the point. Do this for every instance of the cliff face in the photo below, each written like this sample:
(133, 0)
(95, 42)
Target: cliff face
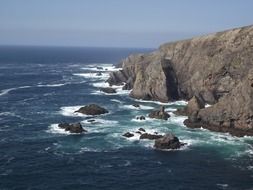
(216, 68)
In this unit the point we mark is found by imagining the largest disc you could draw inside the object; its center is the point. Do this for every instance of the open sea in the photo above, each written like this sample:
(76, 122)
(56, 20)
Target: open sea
(43, 86)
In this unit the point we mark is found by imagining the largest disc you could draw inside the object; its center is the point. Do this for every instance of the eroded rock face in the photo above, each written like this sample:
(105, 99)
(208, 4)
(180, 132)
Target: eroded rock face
(92, 109)
(168, 141)
(72, 127)
(215, 68)
(159, 114)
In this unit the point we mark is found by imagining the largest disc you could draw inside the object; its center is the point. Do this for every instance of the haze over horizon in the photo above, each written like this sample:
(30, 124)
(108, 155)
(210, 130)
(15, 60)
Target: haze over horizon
(114, 23)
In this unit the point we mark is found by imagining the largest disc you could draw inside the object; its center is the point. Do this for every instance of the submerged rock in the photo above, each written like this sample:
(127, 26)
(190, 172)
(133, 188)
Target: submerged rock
(128, 135)
(99, 74)
(108, 90)
(72, 127)
(99, 68)
(168, 141)
(159, 114)
(92, 109)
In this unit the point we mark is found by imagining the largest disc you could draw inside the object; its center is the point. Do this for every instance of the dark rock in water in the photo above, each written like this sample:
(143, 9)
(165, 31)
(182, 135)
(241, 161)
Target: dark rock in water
(168, 141)
(99, 68)
(72, 128)
(99, 74)
(128, 135)
(92, 109)
(141, 118)
(159, 114)
(150, 136)
(91, 120)
(108, 90)
(136, 105)
(142, 130)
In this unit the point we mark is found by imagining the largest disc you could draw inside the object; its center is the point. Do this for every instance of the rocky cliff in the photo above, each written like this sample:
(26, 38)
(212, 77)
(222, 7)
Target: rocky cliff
(217, 69)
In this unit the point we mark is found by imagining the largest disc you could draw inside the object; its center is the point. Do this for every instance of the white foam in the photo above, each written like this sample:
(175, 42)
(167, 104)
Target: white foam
(179, 120)
(53, 128)
(6, 91)
(101, 122)
(115, 100)
(179, 103)
(103, 76)
(70, 111)
(105, 67)
(142, 107)
(52, 85)
(170, 109)
(207, 105)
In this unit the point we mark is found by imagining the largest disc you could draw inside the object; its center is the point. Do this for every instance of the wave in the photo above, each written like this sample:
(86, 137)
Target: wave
(101, 122)
(51, 85)
(53, 128)
(103, 76)
(178, 120)
(115, 100)
(70, 111)
(178, 103)
(6, 91)
(142, 107)
(101, 67)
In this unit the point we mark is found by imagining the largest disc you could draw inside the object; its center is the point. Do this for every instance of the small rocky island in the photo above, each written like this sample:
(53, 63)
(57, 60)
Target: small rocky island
(215, 69)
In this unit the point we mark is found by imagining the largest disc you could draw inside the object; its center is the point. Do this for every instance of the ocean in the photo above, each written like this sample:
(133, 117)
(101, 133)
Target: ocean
(43, 86)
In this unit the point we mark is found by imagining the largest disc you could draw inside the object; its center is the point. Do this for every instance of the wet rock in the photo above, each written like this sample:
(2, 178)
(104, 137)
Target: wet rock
(91, 120)
(108, 90)
(136, 105)
(72, 127)
(92, 109)
(150, 136)
(168, 141)
(141, 118)
(159, 114)
(142, 130)
(128, 135)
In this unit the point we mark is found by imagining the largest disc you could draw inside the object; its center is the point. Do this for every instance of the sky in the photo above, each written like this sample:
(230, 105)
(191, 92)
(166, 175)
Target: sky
(116, 23)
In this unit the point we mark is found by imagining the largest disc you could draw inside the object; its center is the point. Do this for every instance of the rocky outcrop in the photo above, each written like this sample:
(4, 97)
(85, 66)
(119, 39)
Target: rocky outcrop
(141, 117)
(159, 114)
(128, 135)
(92, 109)
(108, 90)
(215, 68)
(72, 127)
(168, 141)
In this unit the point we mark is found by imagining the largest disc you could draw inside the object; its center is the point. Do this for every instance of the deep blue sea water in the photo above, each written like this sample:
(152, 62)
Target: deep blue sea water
(41, 87)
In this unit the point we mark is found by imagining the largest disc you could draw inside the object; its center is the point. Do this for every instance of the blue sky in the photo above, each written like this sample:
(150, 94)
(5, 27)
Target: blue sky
(116, 23)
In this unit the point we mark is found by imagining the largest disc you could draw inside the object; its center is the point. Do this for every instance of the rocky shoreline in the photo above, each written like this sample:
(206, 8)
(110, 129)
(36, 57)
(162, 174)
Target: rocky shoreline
(215, 69)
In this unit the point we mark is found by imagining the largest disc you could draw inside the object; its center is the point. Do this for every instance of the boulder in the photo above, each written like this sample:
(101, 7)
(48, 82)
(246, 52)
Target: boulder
(108, 90)
(168, 141)
(159, 114)
(128, 135)
(142, 130)
(150, 136)
(72, 127)
(92, 109)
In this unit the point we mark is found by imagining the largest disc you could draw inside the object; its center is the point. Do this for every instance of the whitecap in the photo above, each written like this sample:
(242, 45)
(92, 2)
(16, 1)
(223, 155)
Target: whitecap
(52, 85)
(99, 121)
(70, 111)
(142, 107)
(101, 67)
(53, 128)
(179, 120)
(115, 100)
(93, 75)
(6, 91)
(178, 103)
